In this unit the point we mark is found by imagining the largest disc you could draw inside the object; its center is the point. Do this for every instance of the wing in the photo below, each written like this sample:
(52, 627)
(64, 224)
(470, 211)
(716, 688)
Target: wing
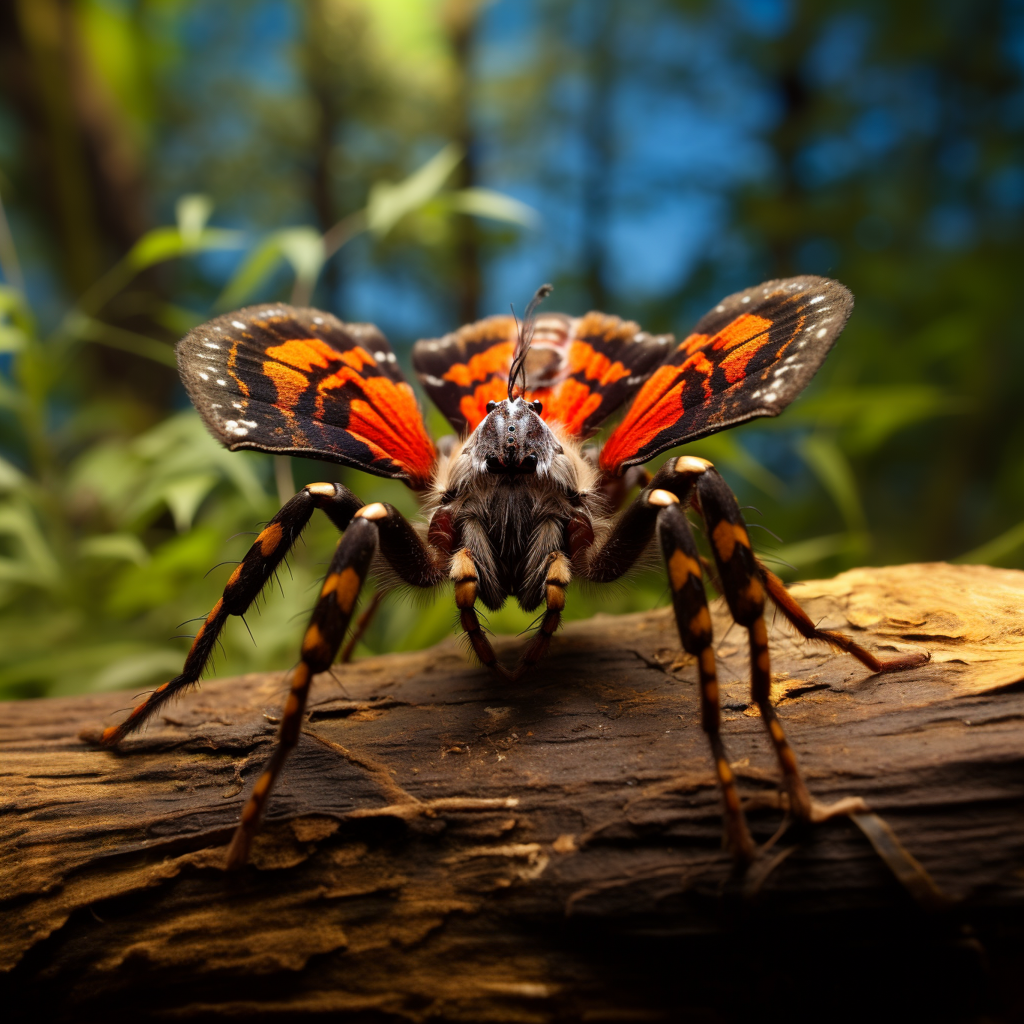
(301, 382)
(750, 356)
(581, 368)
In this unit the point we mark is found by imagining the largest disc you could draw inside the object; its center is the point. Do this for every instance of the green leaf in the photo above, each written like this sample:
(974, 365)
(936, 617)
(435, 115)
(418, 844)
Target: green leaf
(10, 476)
(162, 244)
(12, 339)
(185, 495)
(833, 470)
(124, 547)
(37, 564)
(303, 247)
(388, 203)
(484, 202)
(871, 415)
(88, 329)
(817, 549)
(192, 212)
(997, 549)
(258, 264)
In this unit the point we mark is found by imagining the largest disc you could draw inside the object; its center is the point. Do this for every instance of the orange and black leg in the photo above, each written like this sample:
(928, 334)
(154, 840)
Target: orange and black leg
(693, 620)
(243, 587)
(804, 625)
(323, 637)
(464, 576)
(557, 574)
(744, 592)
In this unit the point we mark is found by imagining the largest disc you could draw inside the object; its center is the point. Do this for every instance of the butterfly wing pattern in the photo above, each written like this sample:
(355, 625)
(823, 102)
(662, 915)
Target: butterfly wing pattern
(580, 368)
(300, 382)
(750, 356)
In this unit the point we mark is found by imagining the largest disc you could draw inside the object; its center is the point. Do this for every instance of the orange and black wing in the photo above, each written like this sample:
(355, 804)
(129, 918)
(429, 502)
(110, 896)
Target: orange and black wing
(750, 356)
(301, 382)
(580, 368)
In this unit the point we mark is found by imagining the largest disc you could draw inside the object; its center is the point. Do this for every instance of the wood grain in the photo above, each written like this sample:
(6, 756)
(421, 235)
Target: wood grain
(444, 847)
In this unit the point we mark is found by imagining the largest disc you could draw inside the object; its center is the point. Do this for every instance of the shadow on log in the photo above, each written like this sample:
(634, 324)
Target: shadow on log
(442, 847)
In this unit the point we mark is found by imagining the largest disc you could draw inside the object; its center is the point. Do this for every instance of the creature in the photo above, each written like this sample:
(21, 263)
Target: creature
(516, 506)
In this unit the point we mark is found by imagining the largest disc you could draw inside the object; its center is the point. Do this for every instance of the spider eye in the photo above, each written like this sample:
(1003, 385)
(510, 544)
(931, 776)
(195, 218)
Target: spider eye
(491, 406)
(537, 407)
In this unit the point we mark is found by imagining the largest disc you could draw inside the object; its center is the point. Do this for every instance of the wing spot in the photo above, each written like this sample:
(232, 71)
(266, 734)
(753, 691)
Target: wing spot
(204, 376)
(817, 298)
(238, 324)
(746, 298)
(379, 356)
(236, 405)
(822, 332)
(431, 381)
(770, 397)
(222, 383)
(318, 319)
(721, 309)
(392, 358)
(209, 344)
(218, 328)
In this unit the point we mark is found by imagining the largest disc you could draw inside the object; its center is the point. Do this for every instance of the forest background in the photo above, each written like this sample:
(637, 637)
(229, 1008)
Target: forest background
(421, 163)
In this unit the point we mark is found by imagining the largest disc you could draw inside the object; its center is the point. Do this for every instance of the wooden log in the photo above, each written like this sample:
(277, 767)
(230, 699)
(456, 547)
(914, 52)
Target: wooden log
(442, 846)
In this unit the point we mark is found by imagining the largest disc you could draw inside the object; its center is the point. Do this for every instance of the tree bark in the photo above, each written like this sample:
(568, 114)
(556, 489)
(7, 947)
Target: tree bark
(443, 846)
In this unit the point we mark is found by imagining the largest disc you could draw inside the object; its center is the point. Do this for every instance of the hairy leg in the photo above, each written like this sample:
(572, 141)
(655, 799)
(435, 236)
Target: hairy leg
(557, 575)
(787, 604)
(243, 587)
(693, 620)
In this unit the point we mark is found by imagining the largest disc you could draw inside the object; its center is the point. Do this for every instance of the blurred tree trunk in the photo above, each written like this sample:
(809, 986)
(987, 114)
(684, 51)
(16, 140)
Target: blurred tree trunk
(460, 20)
(599, 140)
(87, 171)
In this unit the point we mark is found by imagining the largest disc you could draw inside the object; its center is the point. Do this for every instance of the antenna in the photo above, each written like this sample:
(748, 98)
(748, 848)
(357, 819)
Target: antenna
(517, 372)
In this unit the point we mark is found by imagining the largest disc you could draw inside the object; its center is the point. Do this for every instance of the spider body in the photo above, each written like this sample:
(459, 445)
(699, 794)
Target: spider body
(516, 507)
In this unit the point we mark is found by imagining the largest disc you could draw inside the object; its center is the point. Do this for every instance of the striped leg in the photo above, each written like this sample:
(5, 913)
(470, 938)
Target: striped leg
(786, 604)
(693, 621)
(745, 595)
(323, 637)
(243, 587)
(557, 577)
(464, 576)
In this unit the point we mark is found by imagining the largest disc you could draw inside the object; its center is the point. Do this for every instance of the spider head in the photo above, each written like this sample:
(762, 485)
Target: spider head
(512, 439)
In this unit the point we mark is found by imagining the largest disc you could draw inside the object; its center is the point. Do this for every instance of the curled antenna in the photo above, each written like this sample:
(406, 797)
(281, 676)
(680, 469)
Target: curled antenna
(517, 372)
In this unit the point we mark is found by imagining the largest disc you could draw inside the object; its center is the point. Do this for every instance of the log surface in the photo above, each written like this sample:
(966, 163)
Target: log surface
(445, 847)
